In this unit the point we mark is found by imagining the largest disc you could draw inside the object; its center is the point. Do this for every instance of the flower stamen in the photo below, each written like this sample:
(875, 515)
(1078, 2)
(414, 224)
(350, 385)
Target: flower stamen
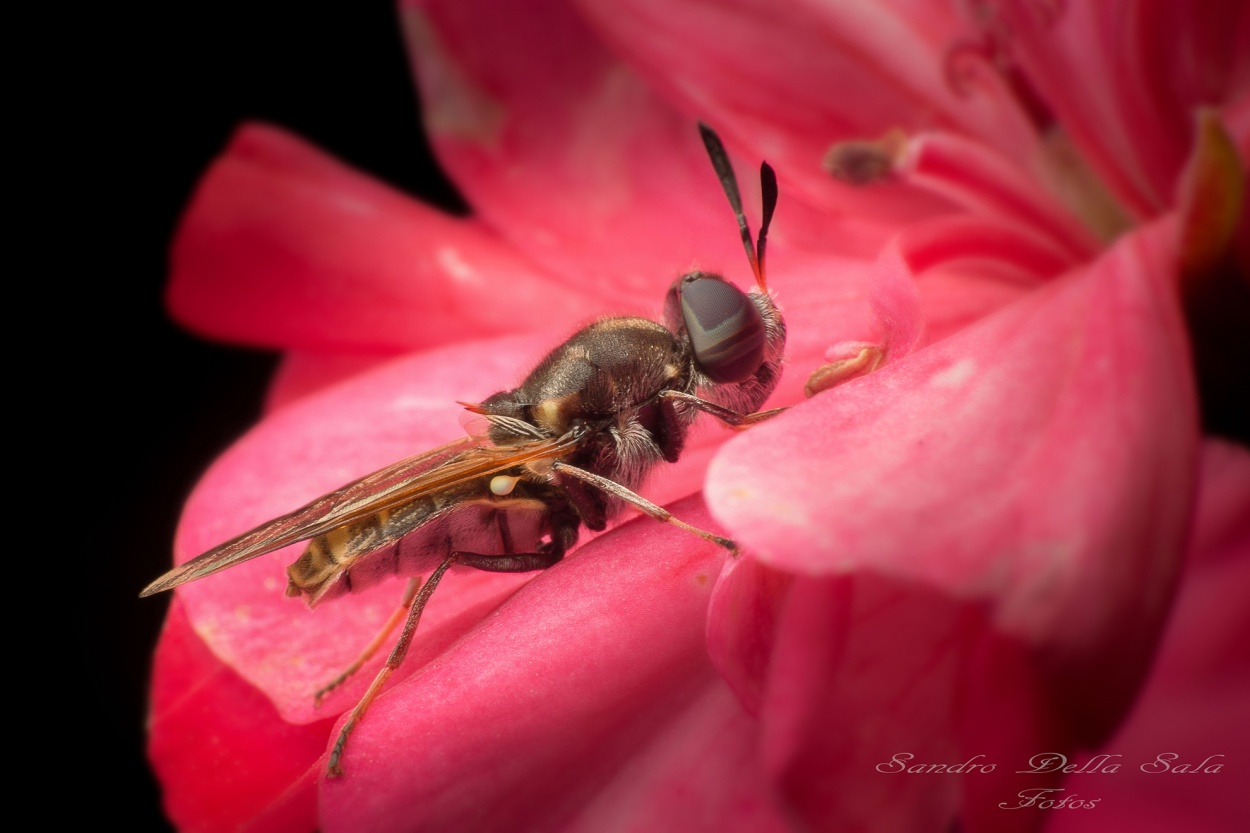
(862, 162)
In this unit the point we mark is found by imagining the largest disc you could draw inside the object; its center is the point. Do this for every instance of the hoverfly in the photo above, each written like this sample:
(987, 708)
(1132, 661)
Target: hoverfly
(565, 449)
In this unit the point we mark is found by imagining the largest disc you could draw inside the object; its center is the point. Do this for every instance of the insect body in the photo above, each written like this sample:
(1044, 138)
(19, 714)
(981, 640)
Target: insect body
(563, 450)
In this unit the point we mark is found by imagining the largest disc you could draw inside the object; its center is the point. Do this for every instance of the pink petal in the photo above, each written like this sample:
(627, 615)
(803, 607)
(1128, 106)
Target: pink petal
(858, 679)
(222, 752)
(284, 246)
(1010, 253)
(544, 701)
(574, 159)
(1125, 79)
(987, 184)
(700, 774)
(742, 626)
(1039, 459)
(822, 297)
(789, 81)
(871, 678)
(896, 302)
(564, 150)
(957, 297)
(826, 299)
(968, 267)
(301, 372)
(1193, 704)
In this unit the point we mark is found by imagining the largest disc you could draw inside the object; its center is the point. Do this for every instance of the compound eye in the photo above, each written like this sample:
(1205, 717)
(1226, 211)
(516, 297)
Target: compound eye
(725, 328)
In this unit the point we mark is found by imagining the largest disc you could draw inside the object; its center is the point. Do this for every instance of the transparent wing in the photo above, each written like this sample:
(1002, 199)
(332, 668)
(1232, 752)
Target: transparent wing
(442, 468)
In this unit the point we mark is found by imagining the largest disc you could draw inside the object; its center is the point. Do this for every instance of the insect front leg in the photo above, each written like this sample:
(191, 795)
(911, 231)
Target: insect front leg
(725, 415)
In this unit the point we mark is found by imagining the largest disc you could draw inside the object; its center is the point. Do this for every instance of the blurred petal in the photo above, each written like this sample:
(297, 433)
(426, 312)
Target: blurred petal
(742, 626)
(1066, 418)
(859, 679)
(788, 81)
(564, 150)
(827, 773)
(283, 246)
(544, 701)
(301, 372)
(896, 302)
(570, 155)
(1183, 746)
(222, 752)
(700, 774)
(957, 298)
(1155, 63)
(872, 677)
(1011, 253)
(986, 184)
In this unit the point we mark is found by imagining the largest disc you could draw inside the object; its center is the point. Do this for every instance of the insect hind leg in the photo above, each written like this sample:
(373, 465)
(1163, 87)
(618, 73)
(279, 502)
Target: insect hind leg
(415, 606)
(410, 594)
(563, 534)
(524, 562)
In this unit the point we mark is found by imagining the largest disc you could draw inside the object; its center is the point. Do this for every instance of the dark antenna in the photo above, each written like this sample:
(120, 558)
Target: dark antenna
(729, 183)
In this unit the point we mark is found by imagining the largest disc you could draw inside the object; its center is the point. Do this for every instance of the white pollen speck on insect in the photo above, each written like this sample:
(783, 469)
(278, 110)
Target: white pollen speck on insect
(955, 376)
(502, 484)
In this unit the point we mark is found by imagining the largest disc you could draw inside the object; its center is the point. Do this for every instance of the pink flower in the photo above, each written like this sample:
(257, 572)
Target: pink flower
(964, 554)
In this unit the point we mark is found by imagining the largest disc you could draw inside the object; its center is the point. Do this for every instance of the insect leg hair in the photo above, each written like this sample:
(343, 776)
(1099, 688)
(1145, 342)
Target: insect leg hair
(639, 502)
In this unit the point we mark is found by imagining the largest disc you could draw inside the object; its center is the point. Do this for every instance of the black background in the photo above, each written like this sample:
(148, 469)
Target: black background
(149, 100)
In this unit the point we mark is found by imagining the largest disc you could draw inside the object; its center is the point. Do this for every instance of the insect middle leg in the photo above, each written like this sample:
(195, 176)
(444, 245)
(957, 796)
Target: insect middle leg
(616, 490)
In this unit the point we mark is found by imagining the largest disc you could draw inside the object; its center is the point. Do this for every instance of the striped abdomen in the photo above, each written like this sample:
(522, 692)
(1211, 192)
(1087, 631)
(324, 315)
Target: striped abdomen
(413, 538)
